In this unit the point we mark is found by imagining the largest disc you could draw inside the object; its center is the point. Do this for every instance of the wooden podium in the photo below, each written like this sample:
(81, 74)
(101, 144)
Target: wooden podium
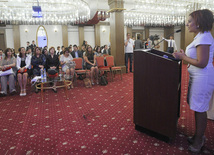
(157, 90)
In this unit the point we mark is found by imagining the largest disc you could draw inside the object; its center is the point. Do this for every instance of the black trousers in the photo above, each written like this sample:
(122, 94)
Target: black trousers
(127, 57)
(170, 49)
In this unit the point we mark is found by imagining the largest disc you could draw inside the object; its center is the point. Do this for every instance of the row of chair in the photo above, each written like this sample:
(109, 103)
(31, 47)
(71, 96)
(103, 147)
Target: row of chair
(111, 68)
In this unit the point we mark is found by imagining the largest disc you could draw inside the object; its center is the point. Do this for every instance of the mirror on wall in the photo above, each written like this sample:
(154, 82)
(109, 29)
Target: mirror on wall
(41, 37)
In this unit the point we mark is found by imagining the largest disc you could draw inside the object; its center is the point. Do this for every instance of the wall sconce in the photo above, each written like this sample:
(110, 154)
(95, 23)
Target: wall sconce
(104, 30)
(55, 30)
(26, 30)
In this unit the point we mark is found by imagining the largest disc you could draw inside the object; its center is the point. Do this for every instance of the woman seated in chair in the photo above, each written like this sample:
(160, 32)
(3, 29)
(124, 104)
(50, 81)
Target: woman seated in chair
(7, 63)
(23, 65)
(68, 66)
(38, 61)
(98, 51)
(90, 59)
(52, 63)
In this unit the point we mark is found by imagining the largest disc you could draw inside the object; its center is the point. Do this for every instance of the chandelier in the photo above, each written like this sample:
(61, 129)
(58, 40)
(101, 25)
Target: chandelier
(162, 12)
(53, 12)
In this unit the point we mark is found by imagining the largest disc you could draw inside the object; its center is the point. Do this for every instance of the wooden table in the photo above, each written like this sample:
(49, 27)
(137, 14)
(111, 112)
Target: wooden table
(63, 84)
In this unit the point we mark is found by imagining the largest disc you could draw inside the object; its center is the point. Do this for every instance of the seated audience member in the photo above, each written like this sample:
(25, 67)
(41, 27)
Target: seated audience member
(23, 65)
(28, 45)
(8, 62)
(62, 50)
(1, 54)
(58, 51)
(105, 50)
(38, 61)
(52, 63)
(29, 52)
(14, 53)
(90, 59)
(66, 61)
(83, 49)
(98, 51)
(76, 53)
(45, 52)
(70, 49)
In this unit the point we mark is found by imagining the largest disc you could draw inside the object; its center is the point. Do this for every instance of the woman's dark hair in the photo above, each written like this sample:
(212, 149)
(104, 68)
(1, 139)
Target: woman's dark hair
(98, 47)
(87, 52)
(20, 54)
(203, 19)
(66, 49)
(43, 51)
(36, 49)
(5, 52)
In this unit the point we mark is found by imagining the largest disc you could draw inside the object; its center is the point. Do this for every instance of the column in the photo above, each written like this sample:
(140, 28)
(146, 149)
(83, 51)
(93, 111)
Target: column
(182, 37)
(129, 30)
(65, 35)
(97, 34)
(146, 33)
(117, 32)
(81, 35)
(16, 37)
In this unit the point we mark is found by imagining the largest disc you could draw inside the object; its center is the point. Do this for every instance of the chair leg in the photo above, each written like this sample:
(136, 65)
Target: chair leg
(121, 74)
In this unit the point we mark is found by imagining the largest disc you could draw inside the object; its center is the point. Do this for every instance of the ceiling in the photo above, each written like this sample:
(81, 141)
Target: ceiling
(138, 12)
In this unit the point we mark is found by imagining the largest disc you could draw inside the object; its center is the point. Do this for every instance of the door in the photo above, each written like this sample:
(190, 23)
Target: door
(2, 41)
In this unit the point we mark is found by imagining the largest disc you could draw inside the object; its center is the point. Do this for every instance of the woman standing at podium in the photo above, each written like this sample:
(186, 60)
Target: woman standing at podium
(199, 55)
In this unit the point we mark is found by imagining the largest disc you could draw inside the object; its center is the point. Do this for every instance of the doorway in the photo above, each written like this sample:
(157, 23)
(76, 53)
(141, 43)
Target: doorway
(2, 41)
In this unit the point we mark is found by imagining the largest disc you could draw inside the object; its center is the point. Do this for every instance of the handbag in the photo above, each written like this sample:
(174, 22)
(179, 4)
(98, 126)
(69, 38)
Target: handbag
(52, 71)
(71, 64)
(87, 83)
(7, 72)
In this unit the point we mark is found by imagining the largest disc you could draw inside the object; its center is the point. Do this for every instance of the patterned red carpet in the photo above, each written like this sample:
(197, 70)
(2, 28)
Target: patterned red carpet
(57, 126)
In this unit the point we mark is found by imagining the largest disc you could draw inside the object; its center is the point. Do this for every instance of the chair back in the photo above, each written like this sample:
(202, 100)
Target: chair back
(100, 61)
(110, 61)
(105, 55)
(78, 62)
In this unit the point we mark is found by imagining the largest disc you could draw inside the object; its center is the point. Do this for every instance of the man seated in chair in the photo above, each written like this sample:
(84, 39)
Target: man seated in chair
(105, 50)
(76, 53)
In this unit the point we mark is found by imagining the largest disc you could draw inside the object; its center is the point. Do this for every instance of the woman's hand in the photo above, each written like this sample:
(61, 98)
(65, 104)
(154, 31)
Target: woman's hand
(179, 55)
(53, 67)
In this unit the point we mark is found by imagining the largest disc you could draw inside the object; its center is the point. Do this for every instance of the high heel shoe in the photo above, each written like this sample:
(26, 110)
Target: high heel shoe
(24, 92)
(197, 150)
(191, 139)
(21, 93)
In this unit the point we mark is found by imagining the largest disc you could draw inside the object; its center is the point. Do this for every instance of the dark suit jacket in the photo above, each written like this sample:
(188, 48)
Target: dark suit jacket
(50, 62)
(79, 54)
(105, 51)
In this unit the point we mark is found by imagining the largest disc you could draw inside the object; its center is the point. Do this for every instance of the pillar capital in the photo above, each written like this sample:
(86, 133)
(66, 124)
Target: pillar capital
(116, 5)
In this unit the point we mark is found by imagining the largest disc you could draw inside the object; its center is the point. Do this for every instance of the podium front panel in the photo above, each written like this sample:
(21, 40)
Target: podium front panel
(156, 92)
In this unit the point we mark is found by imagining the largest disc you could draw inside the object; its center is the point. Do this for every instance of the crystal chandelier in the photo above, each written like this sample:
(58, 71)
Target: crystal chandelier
(162, 12)
(53, 12)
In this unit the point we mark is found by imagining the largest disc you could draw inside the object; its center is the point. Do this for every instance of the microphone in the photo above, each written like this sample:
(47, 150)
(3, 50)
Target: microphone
(164, 38)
